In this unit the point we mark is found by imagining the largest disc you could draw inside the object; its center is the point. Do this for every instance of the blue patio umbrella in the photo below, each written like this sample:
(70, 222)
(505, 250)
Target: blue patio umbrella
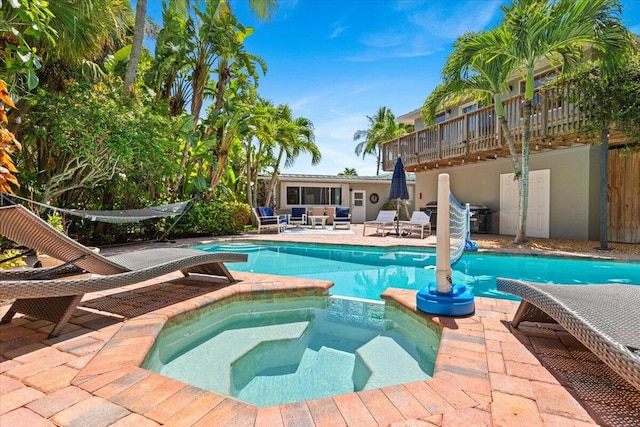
(399, 190)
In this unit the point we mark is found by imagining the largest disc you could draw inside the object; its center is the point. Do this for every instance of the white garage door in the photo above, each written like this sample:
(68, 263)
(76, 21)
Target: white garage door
(539, 202)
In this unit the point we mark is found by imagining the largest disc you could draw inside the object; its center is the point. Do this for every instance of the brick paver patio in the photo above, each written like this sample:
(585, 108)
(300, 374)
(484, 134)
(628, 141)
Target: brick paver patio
(486, 373)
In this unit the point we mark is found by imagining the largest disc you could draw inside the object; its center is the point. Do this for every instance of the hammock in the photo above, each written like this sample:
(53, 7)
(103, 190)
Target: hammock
(119, 216)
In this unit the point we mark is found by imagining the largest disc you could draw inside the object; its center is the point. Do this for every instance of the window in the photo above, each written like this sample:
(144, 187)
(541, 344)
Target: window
(314, 196)
(441, 117)
(469, 108)
(293, 195)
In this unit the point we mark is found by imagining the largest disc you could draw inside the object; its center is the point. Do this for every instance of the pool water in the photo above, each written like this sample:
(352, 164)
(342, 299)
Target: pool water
(365, 272)
(280, 351)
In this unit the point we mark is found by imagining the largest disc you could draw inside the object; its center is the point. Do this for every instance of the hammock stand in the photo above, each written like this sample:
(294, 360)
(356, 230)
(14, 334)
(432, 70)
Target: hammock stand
(119, 216)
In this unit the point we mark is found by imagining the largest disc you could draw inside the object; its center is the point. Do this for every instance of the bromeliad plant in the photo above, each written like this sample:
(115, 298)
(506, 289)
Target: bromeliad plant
(8, 144)
(11, 259)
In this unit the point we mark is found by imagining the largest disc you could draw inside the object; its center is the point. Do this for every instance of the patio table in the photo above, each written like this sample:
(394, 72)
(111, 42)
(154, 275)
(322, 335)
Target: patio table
(318, 220)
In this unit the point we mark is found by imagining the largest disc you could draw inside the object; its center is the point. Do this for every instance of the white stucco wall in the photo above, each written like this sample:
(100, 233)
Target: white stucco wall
(573, 212)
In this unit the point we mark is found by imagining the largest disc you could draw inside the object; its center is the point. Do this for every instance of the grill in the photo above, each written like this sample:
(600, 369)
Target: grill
(480, 221)
(433, 208)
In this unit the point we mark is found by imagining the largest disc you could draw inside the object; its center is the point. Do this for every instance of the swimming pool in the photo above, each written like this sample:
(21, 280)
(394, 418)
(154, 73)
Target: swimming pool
(291, 349)
(365, 272)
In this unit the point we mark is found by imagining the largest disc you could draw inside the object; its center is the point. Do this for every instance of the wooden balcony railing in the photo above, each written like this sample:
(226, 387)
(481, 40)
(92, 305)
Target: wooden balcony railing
(476, 136)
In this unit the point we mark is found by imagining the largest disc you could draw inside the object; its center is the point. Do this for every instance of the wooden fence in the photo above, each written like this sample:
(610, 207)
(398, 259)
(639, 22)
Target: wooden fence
(624, 196)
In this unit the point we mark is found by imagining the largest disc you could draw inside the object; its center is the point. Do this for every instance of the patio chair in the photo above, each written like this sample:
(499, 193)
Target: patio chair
(342, 219)
(267, 218)
(38, 294)
(384, 219)
(605, 318)
(298, 216)
(419, 221)
(330, 213)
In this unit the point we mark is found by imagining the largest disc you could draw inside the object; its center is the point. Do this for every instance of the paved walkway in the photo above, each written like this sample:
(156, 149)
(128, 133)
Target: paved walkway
(486, 373)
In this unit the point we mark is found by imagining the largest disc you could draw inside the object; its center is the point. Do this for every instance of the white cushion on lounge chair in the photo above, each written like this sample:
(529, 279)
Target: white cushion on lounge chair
(383, 219)
(419, 221)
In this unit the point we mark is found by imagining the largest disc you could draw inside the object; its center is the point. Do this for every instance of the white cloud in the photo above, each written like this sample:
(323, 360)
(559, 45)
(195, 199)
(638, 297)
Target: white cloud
(383, 40)
(427, 27)
(409, 5)
(412, 50)
(449, 20)
(337, 30)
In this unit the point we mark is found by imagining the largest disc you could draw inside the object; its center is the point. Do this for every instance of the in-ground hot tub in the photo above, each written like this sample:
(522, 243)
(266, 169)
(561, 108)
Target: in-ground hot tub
(283, 350)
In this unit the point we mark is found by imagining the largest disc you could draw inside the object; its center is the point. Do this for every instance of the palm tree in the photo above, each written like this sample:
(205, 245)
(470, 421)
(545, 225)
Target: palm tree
(293, 137)
(472, 71)
(382, 127)
(556, 31)
(263, 9)
(211, 42)
(136, 45)
(85, 32)
(348, 172)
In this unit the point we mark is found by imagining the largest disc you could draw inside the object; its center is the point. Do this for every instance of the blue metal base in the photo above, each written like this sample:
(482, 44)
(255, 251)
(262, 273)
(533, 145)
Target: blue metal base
(458, 302)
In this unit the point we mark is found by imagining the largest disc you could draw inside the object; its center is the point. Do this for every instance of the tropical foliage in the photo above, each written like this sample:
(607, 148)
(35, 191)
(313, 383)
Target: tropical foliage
(348, 172)
(113, 126)
(8, 144)
(215, 218)
(381, 127)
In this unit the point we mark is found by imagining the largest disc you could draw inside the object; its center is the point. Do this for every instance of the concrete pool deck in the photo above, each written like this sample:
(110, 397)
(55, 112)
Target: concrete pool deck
(486, 374)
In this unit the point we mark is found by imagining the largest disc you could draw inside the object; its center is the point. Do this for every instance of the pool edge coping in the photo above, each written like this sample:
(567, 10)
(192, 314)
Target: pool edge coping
(120, 360)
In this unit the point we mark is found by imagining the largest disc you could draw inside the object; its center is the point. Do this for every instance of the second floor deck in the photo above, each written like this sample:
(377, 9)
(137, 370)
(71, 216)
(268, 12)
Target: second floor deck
(556, 121)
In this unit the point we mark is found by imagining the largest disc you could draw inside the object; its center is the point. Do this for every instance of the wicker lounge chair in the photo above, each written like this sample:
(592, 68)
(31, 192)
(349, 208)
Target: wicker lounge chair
(605, 318)
(384, 219)
(38, 294)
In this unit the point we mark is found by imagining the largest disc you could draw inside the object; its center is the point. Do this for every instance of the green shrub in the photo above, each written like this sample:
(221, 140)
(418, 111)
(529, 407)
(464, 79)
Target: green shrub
(16, 262)
(392, 205)
(214, 218)
(55, 220)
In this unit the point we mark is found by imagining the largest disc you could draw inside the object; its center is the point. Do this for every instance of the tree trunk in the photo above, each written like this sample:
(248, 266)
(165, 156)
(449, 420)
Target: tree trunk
(523, 179)
(604, 175)
(136, 45)
(274, 178)
(222, 161)
(511, 143)
(378, 164)
(249, 176)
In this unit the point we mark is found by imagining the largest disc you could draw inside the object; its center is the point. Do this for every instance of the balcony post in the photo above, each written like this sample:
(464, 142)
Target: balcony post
(544, 112)
(466, 134)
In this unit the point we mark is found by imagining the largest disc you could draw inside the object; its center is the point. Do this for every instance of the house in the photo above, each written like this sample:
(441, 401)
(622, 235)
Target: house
(466, 142)
(365, 195)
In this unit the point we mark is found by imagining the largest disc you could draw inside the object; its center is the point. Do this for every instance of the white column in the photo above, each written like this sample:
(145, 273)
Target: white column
(443, 254)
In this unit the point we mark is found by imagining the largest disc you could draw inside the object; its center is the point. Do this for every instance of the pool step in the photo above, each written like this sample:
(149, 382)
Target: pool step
(377, 353)
(202, 366)
(324, 372)
(240, 247)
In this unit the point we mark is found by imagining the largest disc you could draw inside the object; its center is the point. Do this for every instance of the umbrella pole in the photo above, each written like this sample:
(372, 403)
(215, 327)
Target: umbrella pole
(398, 218)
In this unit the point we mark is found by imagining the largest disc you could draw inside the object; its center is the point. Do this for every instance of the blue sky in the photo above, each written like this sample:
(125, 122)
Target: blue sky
(337, 61)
